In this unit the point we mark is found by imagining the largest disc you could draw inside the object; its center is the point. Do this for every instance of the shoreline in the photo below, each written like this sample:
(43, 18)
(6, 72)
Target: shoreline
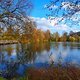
(4, 42)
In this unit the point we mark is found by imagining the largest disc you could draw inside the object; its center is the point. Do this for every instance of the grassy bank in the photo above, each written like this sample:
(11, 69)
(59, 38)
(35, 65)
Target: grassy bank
(70, 73)
(54, 73)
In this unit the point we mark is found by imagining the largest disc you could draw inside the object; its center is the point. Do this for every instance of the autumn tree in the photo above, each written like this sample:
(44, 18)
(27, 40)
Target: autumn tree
(17, 34)
(1, 33)
(64, 37)
(9, 33)
(41, 35)
(47, 35)
(56, 36)
(28, 30)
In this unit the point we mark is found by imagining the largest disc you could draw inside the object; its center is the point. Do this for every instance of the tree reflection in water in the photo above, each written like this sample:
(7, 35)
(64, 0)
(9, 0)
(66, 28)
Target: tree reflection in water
(14, 58)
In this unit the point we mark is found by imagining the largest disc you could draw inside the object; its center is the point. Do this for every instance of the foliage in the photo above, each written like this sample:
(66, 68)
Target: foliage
(71, 37)
(14, 19)
(2, 78)
(29, 35)
(37, 35)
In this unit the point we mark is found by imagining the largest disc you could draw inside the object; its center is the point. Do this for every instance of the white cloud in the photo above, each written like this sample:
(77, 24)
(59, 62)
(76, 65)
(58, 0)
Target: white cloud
(53, 7)
(50, 6)
(65, 5)
(70, 5)
(46, 24)
(45, 6)
(76, 17)
(63, 27)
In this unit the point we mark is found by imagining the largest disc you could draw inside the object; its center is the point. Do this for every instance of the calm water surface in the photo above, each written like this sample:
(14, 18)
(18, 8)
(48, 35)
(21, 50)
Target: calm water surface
(16, 58)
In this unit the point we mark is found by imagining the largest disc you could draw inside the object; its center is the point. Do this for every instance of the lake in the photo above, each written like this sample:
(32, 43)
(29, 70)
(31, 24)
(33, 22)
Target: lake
(16, 58)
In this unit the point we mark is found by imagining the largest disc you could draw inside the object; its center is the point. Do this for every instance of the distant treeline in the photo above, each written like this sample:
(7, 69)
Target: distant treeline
(37, 35)
(69, 37)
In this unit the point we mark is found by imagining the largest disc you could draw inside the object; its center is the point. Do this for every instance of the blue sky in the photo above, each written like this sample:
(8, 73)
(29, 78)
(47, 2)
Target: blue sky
(38, 14)
(38, 10)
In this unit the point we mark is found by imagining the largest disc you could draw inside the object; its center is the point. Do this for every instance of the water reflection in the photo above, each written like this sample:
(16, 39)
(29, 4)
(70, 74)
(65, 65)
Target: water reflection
(14, 59)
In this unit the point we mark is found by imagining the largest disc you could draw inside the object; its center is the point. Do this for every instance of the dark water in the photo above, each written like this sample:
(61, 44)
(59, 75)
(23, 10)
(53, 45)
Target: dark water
(16, 58)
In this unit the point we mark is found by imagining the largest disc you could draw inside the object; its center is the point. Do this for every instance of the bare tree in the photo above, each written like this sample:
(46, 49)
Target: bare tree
(64, 8)
(14, 12)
